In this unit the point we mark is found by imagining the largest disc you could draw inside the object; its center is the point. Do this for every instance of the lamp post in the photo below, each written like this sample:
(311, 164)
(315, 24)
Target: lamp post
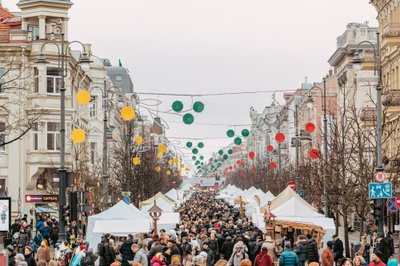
(377, 71)
(155, 213)
(62, 69)
(325, 143)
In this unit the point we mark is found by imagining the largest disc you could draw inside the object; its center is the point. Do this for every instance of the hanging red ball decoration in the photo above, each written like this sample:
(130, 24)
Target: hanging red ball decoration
(314, 154)
(280, 137)
(243, 175)
(251, 155)
(253, 169)
(272, 165)
(239, 162)
(310, 127)
(270, 148)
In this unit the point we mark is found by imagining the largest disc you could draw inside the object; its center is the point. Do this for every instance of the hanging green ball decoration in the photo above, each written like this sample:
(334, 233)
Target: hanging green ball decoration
(189, 144)
(202, 163)
(215, 161)
(188, 119)
(200, 145)
(198, 107)
(220, 152)
(230, 133)
(230, 151)
(245, 133)
(202, 157)
(219, 165)
(177, 106)
(193, 158)
(197, 162)
(195, 151)
(225, 157)
(238, 141)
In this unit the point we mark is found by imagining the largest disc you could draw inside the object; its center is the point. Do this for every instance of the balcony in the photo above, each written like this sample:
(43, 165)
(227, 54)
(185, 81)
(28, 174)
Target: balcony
(368, 114)
(391, 30)
(392, 98)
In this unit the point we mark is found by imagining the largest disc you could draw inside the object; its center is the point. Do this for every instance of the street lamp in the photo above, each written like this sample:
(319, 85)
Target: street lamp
(155, 213)
(62, 69)
(377, 71)
(309, 103)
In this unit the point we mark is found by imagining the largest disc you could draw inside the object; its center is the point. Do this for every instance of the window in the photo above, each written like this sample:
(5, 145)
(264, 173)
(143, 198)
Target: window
(35, 136)
(92, 107)
(36, 77)
(53, 80)
(93, 148)
(33, 32)
(53, 136)
(2, 136)
(118, 78)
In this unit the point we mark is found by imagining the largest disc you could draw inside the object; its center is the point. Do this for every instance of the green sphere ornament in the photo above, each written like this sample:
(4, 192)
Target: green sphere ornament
(238, 141)
(220, 152)
(225, 157)
(195, 151)
(198, 107)
(202, 157)
(188, 119)
(189, 144)
(230, 151)
(193, 158)
(230, 133)
(177, 106)
(200, 145)
(245, 133)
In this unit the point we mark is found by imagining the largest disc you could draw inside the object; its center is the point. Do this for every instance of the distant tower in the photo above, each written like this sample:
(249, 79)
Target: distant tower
(45, 19)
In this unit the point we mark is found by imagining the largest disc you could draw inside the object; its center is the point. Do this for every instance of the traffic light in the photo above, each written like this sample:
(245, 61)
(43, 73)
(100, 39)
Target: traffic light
(376, 209)
(65, 212)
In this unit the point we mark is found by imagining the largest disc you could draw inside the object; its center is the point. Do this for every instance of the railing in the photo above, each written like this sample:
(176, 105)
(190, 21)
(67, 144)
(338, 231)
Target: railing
(4, 36)
(391, 30)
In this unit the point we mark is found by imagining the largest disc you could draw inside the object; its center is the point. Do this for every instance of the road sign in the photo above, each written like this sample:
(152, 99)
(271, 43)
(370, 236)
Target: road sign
(127, 200)
(380, 190)
(391, 205)
(398, 201)
(301, 193)
(291, 185)
(380, 177)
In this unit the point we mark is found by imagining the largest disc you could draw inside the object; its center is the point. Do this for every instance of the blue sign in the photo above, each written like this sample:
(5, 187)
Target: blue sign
(380, 190)
(391, 205)
(301, 193)
(127, 199)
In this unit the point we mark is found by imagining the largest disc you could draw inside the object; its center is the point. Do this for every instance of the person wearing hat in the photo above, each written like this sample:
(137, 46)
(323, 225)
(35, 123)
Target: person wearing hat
(11, 255)
(20, 260)
(376, 259)
(210, 254)
(30, 260)
(238, 254)
(327, 255)
(288, 257)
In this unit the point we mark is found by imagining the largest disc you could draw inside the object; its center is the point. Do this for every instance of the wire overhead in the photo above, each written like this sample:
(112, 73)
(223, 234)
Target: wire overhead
(208, 94)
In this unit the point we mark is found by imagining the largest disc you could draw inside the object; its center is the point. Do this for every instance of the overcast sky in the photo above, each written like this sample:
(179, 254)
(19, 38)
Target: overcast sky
(192, 46)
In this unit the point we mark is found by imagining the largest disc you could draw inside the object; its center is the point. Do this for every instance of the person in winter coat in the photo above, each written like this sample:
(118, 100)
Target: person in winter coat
(238, 254)
(227, 248)
(20, 260)
(43, 252)
(210, 254)
(213, 245)
(263, 259)
(337, 248)
(30, 260)
(327, 255)
(175, 260)
(140, 255)
(89, 258)
(301, 249)
(46, 231)
(199, 261)
(383, 247)
(288, 257)
(126, 250)
(376, 259)
(104, 251)
(23, 239)
(312, 249)
(11, 255)
(155, 248)
(54, 234)
(157, 260)
(271, 246)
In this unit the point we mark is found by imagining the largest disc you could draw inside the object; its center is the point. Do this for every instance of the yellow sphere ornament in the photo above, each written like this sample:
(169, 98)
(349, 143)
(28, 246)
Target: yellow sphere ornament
(158, 169)
(83, 97)
(139, 140)
(176, 160)
(182, 166)
(78, 135)
(169, 162)
(187, 169)
(168, 172)
(160, 155)
(162, 148)
(127, 113)
(136, 160)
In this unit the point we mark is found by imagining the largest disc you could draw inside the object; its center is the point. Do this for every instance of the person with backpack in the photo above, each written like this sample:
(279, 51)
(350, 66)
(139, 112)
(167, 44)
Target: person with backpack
(312, 249)
(104, 251)
(88, 258)
(301, 249)
(263, 259)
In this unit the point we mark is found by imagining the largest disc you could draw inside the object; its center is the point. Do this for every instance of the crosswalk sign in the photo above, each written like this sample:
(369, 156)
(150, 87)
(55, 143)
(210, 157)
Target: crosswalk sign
(380, 190)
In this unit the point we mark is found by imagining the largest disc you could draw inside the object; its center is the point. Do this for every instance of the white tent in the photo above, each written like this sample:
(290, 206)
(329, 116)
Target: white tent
(176, 195)
(253, 206)
(121, 219)
(168, 221)
(283, 197)
(161, 203)
(295, 207)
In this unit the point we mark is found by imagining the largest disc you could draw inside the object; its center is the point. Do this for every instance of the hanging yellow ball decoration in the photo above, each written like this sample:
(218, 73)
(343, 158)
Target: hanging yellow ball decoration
(83, 97)
(187, 169)
(182, 166)
(162, 148)
(136, 160)
(78, 135)
(160, 155)
(158, 169)
(127, 113)
(170, 162)
(168, 172)
(176, 160)
(139, 140)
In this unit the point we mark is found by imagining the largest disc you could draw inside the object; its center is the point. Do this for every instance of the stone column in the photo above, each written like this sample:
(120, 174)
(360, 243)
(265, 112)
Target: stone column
(65, 28)
(24, 24)
(42, 27)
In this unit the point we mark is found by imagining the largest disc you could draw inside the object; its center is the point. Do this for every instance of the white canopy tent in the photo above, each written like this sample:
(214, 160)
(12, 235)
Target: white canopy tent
(283, 197)
(161, 203)
(176, 195)
(254, 207)
(168, 221)
(121, 219)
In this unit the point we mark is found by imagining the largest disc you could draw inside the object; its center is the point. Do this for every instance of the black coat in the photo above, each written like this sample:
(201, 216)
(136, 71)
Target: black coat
(30, 260)
(126, 252)
(312, 251)
(384, 248)
(338, 249)
(227, 249)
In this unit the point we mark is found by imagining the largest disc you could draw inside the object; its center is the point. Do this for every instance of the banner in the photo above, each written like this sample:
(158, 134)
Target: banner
(5, 214)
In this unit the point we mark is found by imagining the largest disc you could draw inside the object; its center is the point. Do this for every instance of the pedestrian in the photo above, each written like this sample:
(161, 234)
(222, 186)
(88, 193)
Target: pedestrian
(288, 257)
(327, 257)
(213, 246)
(393, 262)
(312, 249)
(30, 260)
(176, 260)
(104, 251)
(23, 240)
(43, 252)
(245, 262)
(263, 259)
(383, 247)
(389, 240)
(158, 260)
(155, 248)
(301, 249)
(11, 255)
(238, 254)
(54, 234)
(139, 255)
(337, 248)
(210, 255)
(20, 260)
(199, 261)
(222, 262)
(227, 248)
(89, 258)
(359, 261)
(376, 259)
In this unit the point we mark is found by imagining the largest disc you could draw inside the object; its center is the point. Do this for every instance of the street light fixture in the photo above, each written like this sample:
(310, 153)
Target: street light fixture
(155, 212)
(62, 69)
(357, 61)
(309, 103)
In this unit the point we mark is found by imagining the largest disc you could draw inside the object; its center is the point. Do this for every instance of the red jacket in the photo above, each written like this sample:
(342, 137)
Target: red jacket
(263, 259)
(377, 263)
(327, 257)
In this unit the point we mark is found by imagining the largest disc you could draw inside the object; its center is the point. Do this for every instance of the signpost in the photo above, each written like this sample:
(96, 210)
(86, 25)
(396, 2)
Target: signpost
(392, 205)
(398, 201)
(380, 190)
(127, 199)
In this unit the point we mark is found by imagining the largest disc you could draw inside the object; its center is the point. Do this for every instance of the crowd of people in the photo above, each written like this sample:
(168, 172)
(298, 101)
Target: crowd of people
(211, 232)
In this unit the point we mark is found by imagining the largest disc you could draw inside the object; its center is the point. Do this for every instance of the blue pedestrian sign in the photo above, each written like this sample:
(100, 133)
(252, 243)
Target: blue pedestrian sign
(127, 199)
(380, 190)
